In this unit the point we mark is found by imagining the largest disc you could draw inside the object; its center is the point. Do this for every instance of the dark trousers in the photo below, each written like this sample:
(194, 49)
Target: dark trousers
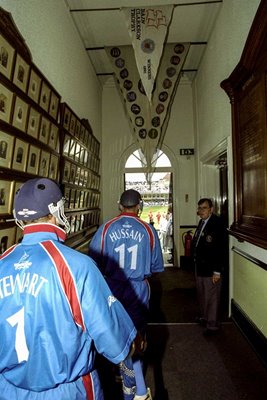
(209, 294)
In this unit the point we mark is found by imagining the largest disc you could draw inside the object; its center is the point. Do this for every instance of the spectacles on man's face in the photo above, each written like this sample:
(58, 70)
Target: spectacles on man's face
(203, 208)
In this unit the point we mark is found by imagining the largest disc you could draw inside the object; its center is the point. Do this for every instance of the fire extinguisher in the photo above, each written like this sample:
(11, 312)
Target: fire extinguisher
(187, 239)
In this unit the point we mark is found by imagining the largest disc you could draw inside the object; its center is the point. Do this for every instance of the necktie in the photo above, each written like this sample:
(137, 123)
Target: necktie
(199, 230)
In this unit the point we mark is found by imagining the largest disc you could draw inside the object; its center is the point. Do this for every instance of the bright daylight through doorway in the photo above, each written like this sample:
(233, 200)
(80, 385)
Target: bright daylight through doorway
(156, 191)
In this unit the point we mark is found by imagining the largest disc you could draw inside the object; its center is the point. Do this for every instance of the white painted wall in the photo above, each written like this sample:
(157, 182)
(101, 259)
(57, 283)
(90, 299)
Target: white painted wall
(57, 51)
(213, 122)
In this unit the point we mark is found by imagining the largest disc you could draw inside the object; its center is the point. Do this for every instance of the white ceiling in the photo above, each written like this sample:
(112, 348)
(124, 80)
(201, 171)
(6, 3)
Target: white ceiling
(100, 23)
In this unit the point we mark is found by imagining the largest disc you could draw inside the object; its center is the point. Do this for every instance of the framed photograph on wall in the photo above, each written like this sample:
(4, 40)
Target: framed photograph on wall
(53, 137)
(20, 114)
(54, 105)
(45, 96)
(72, 173)
(72, 148)
(20, 155)
(66, 117)
(44, 130)
(7, 238)
(66, 172)
(44, 163)
(6, 100)
(21, 73)
(72, 124)
(34, 86)
(53, 167)
(33, 160)
(17, 185)
(7, 53)
(66, 145)
(6, 196)
(33, 123)
(6, 149)
(77, 129)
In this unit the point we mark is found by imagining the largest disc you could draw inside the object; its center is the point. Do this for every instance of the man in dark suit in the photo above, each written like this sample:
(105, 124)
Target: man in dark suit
(209, 252)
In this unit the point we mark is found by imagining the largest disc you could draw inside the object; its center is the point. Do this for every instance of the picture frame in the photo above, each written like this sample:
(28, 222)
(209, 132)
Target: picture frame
(45, 96)
(44, 130)
(54, 105)
(6, 196)
(53, 137)
(72, 148)
(7, 238)
(33, 160)
(17, 185)
(66, 145)
(72, 173)
(20, 155)
(72, 198)
(44, 163)
(6, 101)
(33, 123)
(77, 152)
(77, 175)
(66, 172)
(34, 86)
(66, 117)
(7, 55)
(67, 197)
(21, 73)
(20, 114)
(53, 167)
(77, 129)
(6, 149)
(72, 124)
(82, 133)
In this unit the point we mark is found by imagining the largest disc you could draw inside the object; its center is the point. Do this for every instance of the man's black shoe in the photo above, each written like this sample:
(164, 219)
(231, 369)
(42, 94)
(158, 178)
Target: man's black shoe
(200, 321)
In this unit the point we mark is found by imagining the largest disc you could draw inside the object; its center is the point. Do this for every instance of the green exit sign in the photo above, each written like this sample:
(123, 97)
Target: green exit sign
(186, 152)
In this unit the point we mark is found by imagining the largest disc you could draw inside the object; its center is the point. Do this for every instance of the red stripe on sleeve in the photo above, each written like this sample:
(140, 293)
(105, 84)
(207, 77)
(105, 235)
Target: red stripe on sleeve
(88, 385)
(67, 281)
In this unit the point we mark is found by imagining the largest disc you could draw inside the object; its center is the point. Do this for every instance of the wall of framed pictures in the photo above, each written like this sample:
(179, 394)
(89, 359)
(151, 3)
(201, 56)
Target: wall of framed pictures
(41, 136)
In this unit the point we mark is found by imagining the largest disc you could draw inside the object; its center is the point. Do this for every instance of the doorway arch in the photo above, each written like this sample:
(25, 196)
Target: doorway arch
(168, 167)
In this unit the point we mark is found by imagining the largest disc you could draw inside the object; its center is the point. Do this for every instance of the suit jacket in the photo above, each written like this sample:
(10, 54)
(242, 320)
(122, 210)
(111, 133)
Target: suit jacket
(211, 251)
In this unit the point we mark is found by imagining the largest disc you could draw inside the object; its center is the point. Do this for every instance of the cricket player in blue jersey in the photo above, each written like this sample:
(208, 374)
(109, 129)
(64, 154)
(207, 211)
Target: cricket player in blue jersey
(128, 251)
(56, 310)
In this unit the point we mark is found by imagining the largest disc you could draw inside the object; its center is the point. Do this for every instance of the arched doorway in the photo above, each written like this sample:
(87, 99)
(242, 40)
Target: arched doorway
(156, 190)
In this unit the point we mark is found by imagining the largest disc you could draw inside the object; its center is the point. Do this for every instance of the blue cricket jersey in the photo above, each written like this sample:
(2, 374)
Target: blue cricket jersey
(127, 250)
(55, 311)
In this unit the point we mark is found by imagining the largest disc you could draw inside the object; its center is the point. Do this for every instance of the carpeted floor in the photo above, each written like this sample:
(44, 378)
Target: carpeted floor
(181, 363)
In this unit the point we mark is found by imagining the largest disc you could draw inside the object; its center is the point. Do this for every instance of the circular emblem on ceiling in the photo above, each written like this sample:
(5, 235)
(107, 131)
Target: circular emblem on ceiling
(115, 52)
(131, 96)
(120, 62)
(163, 96)
(124, 73)
(155, 121)
(135, 109)
(171, 72)
(139, 121)
(153, 133)
(127, 84)
(142, 133)
(179, 48)
(175, 60)
(167, 83)
(148, 46)
(160, 108)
